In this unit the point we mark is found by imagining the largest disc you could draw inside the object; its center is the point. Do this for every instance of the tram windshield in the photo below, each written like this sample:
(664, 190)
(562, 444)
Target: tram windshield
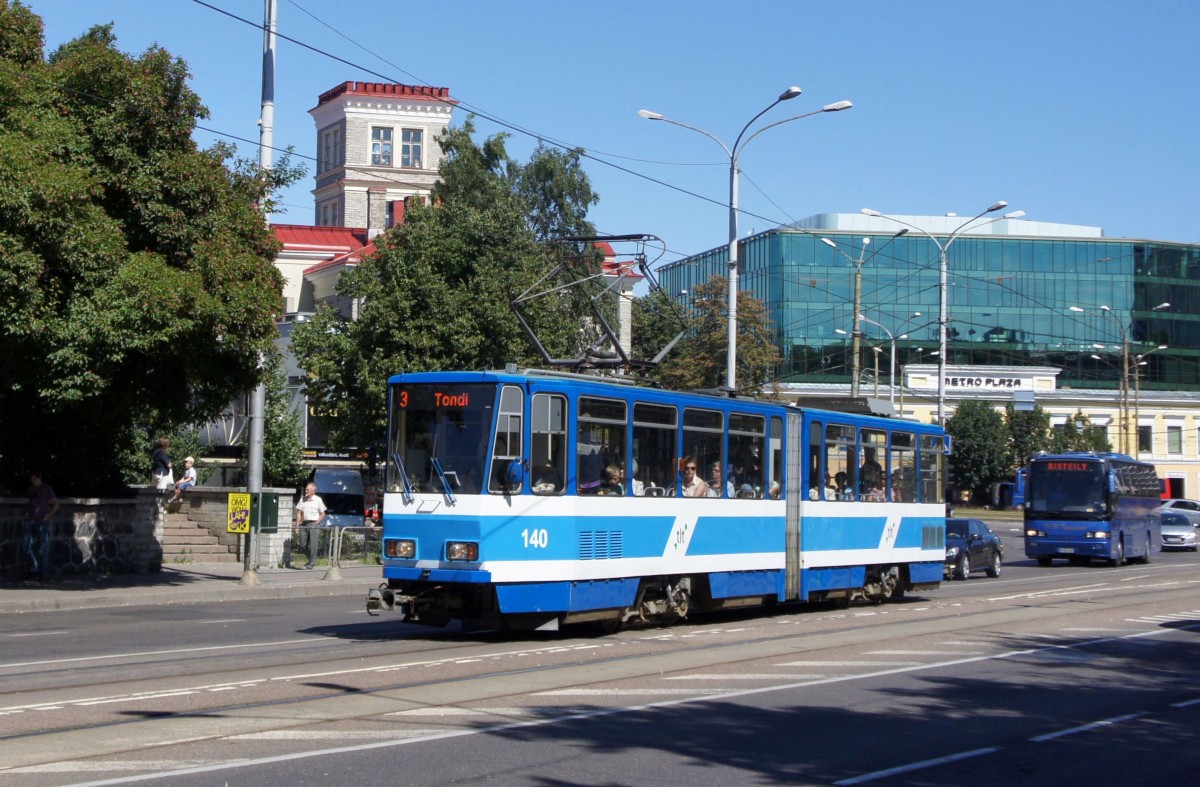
(440, 426)
(1070, 489)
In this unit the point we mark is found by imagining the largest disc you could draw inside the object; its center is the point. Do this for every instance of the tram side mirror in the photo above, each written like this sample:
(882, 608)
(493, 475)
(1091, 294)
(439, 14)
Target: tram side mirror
(515, 474)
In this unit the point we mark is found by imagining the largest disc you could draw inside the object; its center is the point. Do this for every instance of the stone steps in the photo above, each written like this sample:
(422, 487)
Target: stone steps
(185, 541)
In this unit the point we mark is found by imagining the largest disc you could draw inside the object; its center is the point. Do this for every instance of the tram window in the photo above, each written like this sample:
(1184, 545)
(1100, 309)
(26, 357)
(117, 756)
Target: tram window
(775, 471)
(841, 460)
(652, 470)
(872, 480)
(903, 461)
(933, 469)
(703, 436)
(600, 441)
(508, 438)
(548, 443)
(747, 439)
(819, 484)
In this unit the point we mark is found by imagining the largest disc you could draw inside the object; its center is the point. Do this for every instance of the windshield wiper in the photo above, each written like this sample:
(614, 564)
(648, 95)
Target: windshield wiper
(405, 484)
(437, 468)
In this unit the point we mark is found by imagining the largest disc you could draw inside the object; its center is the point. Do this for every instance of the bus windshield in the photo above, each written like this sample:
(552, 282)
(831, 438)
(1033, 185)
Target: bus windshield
(449, 423)
(1070, 489)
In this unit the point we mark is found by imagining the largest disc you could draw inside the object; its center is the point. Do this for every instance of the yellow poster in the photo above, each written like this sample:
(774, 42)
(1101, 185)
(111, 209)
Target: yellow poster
(238, 520)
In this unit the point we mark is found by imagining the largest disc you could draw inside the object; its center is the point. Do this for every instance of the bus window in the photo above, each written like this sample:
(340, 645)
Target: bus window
(703, 433)
(903, 461)
(653, 470)
(600, 442)
(933, 469)
(747, 436)
(548, 443)
(872, 478)
(840, 460)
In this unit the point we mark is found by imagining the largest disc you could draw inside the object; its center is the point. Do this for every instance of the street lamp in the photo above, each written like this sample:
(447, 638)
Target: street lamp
(891, 359)
(858, 264)
(943, 269)
(1137, 385)
(734, 152)
(1123, 401)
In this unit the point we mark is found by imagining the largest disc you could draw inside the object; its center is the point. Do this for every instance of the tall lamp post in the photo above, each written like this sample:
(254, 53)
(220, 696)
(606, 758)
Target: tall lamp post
(734, 152)
(891, 359)
(856, 334)
(943, 269)
(1123, 401)
(1137, 384)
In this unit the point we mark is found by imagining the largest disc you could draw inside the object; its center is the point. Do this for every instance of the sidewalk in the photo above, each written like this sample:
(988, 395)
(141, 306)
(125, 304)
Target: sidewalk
(185, 583)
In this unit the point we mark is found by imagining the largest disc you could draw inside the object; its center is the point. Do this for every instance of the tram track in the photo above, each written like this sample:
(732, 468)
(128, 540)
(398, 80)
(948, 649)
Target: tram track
(353, 699)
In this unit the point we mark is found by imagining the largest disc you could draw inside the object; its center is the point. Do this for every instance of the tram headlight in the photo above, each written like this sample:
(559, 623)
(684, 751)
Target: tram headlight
(403, 548)
(462, 550)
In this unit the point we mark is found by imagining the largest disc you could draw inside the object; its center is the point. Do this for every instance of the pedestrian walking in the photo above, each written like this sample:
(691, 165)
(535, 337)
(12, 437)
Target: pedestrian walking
(310, 515)
(43, 504)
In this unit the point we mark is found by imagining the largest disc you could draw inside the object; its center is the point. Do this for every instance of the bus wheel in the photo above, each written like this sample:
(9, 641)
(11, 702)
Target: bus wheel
(1119, 558)
(1149, 549)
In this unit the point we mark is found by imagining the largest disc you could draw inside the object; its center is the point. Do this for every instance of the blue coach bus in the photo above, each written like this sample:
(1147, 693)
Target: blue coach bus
(529, 500)
(1080, 506)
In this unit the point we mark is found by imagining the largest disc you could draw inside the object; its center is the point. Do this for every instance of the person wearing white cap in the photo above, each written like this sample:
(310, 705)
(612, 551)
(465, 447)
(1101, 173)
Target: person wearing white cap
(187, 481)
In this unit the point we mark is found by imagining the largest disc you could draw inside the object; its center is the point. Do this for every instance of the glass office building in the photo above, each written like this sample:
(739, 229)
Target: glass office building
(1019, 293)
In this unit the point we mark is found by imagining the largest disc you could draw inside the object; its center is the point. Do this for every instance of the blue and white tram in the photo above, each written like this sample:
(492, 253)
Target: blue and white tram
(529, 500)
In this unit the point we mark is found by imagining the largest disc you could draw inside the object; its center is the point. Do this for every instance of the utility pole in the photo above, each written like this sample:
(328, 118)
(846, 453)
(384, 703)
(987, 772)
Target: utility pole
(258, 399)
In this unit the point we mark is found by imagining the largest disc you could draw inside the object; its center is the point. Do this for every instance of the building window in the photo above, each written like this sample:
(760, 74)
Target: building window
(1174, 439)
(329, 215)
(381, 146)
(410, 147)
(1145, 439)
(331, 150)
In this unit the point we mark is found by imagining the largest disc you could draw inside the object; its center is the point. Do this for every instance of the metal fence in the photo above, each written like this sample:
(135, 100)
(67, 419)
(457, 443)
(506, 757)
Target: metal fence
(341, 546)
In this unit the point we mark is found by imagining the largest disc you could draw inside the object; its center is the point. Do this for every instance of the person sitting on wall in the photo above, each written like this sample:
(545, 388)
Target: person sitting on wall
(187, 481)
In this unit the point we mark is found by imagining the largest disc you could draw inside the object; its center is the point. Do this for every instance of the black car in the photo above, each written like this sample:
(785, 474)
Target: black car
(971, 546)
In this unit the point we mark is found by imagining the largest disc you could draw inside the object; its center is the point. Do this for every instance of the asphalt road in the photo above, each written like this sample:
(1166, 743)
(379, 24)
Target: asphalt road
(1057, 675)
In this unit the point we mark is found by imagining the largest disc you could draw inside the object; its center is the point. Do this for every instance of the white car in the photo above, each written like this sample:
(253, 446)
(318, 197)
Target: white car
(1189, 508)
(1177, 532)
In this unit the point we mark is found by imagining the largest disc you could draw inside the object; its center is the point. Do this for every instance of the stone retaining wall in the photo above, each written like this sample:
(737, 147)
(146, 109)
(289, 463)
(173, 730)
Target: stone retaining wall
(124, 535)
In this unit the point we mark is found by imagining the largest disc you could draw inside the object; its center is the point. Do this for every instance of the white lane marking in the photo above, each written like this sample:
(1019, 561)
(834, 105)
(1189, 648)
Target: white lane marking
(230, 620)
(599, 713)
(921, 653)
(1086, 727)
(1186, 703)
(70, 766)
(115, 656)
(1093, 629)
(747, 676)
(848, 664)
(623, 692)
(916, 766)
(134, 697)
(36, 633)
(316, 735)
(1055, 592)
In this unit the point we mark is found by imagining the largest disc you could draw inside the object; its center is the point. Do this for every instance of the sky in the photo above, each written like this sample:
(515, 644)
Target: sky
(1077, 113)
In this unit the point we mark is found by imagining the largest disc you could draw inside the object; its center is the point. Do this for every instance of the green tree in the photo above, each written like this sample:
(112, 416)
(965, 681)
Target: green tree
(700, 360)
(1079, 434)
(1029, 432)
(137, 284)
(980, 448)
(436, 294)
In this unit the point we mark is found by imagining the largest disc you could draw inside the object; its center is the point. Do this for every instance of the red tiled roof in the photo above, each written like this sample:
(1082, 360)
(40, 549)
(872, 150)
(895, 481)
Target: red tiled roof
(333, 239)
(389, 89)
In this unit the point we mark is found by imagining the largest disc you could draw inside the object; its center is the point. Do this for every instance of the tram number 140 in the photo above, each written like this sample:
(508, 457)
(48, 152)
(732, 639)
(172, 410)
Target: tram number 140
(537, 538)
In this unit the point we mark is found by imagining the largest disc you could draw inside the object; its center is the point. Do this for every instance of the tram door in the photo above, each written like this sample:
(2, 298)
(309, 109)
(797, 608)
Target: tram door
(794, 468)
